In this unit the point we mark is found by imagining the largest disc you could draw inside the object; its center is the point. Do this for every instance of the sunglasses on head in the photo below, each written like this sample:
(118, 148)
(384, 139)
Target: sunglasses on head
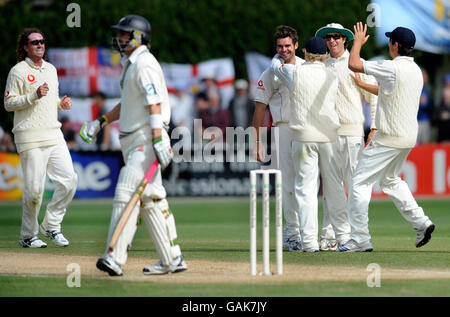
(333, 36)
(36, 42)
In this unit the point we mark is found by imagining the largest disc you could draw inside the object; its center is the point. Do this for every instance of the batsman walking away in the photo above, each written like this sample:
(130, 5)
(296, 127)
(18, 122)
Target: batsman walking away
(144, 114)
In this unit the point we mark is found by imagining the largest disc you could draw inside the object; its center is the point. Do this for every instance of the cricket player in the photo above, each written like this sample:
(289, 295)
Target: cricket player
(271, 91)
(144, 114)
(400, 86)
(350, 141)
(32, 93)
(314, 124)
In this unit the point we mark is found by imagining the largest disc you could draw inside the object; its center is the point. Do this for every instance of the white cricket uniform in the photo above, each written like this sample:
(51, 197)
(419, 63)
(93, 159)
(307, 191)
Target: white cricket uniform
(400, 85)
(40, 144)
(271, 90)
(350, 142)
(142, 84)
(314, 124)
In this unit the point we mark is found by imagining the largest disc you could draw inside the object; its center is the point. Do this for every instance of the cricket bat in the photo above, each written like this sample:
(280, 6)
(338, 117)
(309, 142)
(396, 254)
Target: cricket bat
(131, 204)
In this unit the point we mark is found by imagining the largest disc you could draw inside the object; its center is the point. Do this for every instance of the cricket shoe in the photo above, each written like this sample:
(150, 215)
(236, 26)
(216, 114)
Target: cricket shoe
(292, 245)
(178, 265)
(108, 265)
(328, 245)
(310, 250)
(34, 242)
(424, 235)
(56, 236)
(353, 246)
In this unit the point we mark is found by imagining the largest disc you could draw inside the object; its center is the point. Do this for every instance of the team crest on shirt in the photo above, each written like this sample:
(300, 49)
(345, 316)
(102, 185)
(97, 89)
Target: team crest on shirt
(150, 89)
(261, 85)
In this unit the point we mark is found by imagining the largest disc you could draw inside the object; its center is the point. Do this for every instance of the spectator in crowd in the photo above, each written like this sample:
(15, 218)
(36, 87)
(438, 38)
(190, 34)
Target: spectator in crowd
(202, 98)
(442, 114)
(182, 108)
(103, 141)
(214, 115)
(425, 111)
(241, 106)
(69, 133)
(6, 142)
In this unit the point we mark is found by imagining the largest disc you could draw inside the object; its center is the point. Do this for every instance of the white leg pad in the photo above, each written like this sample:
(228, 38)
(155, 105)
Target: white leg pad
(156, 225)
(161, 226)
(127, 183)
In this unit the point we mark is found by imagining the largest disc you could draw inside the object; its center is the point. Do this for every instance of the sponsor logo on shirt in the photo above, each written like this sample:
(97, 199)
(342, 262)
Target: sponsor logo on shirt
(31, 78)
(7, 94)
(261, 85)
(151, 90)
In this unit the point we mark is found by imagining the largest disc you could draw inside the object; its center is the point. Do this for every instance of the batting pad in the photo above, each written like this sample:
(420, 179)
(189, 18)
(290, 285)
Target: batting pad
(120, 252)
(157, 226)
(127, 183)
(172, 233)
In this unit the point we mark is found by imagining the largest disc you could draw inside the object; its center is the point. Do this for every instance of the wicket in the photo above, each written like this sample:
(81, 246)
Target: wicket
(265, 220)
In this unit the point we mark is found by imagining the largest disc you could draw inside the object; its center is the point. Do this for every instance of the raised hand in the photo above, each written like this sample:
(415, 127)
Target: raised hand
(360, 33)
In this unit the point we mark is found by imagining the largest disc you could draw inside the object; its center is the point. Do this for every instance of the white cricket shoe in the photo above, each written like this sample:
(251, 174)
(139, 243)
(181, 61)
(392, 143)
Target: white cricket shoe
(424, 235)
(292, 245)
(310, 250)
(56, 236)
(178, 265)
(328, 245)
(108, 265)
(34, 242)
(353, 246)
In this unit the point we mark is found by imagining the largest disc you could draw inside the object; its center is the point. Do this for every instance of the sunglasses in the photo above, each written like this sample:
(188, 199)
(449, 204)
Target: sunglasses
(36, 42)
(333, 36)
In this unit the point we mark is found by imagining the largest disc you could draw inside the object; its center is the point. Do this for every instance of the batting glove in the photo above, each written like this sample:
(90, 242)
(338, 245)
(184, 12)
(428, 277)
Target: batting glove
(89, 130)
(163, 152)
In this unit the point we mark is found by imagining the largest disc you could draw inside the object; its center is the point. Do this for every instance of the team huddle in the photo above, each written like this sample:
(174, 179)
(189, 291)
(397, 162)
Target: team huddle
(316, 104)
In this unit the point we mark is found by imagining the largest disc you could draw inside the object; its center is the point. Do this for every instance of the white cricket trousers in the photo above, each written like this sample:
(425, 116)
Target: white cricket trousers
(291, 228)
(308, 158)
(381, 163)
(56, 162)
(139, 155)
(347, 151)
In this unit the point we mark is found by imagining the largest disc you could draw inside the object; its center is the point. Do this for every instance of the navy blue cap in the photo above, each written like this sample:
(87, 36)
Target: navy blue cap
(403, 36)
(316, 45)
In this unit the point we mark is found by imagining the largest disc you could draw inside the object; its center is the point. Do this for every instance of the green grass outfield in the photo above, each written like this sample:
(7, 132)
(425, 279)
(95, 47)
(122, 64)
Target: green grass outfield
(217, 229)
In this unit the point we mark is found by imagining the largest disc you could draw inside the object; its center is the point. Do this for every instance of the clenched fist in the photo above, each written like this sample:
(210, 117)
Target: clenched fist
(66, 103)
(42, 90)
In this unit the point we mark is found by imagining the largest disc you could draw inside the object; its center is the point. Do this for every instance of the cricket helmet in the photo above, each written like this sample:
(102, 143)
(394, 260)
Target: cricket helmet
(139, 29)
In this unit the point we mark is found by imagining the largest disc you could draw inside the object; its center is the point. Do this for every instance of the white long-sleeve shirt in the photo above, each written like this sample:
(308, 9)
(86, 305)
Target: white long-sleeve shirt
(313, 90)
(272, 91)
(400, 86)
(35, 119)
(349, 104)
(142, 84)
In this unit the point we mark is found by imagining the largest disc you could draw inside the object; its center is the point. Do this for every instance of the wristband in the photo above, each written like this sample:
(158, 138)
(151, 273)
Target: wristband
(103, 120)
(156, 121)
(156, 140)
